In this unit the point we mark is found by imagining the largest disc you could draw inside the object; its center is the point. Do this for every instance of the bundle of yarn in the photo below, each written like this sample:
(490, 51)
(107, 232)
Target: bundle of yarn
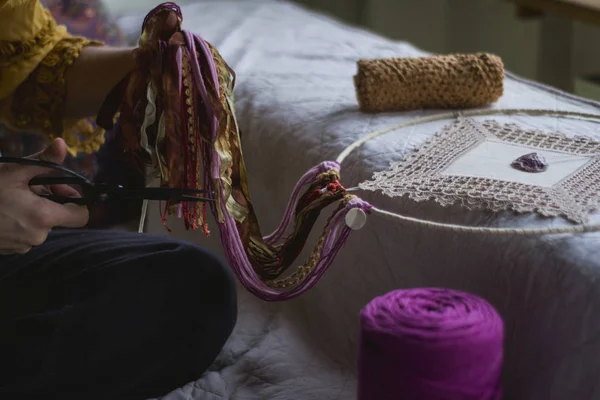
(430, 344)
(439, 82)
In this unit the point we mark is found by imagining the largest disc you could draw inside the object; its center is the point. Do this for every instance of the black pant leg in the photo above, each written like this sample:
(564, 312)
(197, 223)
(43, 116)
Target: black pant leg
(110, 315)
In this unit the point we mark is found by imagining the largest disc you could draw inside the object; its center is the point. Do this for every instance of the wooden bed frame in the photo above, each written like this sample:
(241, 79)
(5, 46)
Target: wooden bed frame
(587, 11)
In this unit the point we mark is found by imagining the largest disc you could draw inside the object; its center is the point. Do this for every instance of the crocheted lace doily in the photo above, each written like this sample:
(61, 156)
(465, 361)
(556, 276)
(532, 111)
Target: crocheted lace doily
(469, 162)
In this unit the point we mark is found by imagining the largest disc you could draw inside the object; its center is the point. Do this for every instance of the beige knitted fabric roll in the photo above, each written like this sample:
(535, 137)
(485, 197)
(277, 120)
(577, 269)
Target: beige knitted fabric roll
(444, 81)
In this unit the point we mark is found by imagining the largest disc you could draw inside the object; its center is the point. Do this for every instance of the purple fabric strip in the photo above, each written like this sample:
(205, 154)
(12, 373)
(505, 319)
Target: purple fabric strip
(198, 79)
(434, 344)
(336, 231)
(197, 41)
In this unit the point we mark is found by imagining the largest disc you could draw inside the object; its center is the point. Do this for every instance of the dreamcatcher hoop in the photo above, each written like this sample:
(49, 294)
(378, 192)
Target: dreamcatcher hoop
(580, 228)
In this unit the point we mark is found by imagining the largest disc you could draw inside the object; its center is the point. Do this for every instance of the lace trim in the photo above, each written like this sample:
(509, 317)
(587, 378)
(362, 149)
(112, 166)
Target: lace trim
(38, 103)
(419, 175)
(15, 53)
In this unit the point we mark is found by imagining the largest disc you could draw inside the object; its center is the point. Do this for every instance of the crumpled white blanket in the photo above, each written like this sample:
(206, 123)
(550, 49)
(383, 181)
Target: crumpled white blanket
(297, 107)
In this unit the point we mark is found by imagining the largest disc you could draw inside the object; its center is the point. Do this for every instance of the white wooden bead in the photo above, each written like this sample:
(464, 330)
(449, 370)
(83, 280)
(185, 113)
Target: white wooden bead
(356, 218)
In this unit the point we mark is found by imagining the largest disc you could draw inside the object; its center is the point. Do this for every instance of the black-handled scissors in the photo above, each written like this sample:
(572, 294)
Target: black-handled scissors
(99, 192)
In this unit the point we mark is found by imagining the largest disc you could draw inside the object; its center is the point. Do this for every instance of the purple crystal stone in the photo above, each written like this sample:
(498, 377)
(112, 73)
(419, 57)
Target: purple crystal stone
(531, 162)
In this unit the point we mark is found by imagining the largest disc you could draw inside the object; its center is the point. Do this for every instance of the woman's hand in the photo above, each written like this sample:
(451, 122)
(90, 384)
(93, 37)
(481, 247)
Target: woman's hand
(25, 217)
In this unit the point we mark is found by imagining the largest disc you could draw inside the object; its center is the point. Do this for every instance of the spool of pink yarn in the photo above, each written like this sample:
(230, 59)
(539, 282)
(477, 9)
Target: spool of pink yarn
(430, 344)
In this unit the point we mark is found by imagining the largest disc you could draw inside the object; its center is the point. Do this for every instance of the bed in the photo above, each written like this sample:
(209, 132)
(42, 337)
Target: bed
(297, 107)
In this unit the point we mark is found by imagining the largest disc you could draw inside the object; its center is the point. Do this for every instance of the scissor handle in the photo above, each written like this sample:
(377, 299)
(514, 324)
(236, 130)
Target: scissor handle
(93, 193)
(46, 164)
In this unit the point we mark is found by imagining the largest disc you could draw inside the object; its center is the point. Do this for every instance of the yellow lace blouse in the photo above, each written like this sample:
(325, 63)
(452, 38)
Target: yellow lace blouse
(35, 53)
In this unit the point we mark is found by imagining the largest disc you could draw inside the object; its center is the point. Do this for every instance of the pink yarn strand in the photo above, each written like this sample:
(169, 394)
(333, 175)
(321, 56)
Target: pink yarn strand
(336, 232)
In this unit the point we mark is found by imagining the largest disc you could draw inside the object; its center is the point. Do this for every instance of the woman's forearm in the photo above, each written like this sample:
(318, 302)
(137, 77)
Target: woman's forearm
(91, 77)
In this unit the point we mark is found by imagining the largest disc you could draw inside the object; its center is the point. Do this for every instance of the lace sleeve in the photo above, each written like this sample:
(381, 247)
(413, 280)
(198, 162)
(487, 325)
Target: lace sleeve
(38, 103)
(34, 62)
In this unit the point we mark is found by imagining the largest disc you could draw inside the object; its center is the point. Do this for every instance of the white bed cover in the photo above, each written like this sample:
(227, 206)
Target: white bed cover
(297, 107)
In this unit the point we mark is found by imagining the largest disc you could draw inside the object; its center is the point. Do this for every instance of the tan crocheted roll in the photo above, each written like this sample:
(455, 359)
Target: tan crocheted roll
(446, 81)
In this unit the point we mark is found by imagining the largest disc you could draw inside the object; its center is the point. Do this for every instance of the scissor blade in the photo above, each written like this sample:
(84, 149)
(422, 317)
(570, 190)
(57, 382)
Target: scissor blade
(173, 190)
(89, 201)
(160, 194)
(193, 198)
